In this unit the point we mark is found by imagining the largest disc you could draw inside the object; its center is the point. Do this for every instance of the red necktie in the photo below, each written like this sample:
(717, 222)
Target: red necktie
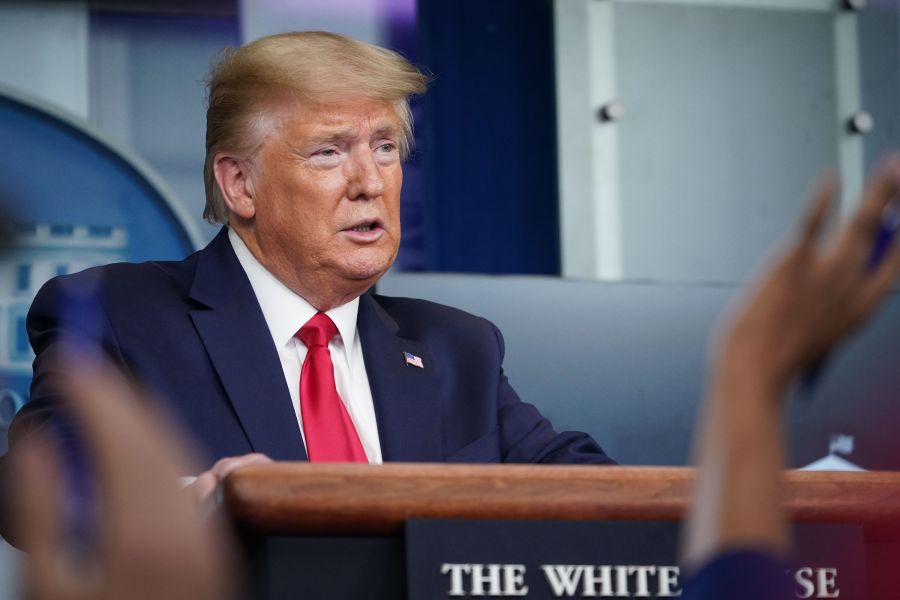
(330, 435)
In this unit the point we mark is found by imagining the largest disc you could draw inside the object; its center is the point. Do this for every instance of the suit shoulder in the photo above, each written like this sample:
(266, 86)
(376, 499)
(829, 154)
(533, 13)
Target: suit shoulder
(416, 316)
(133, 282)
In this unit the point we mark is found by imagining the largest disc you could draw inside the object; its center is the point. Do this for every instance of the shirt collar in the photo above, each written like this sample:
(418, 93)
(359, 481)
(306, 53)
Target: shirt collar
(286, 312)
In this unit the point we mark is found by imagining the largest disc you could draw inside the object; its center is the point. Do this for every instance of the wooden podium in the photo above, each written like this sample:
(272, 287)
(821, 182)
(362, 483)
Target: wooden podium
(327, 518)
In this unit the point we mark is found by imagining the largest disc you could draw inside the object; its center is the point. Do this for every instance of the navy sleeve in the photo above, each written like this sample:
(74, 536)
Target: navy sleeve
(740, 575)
(527, 437)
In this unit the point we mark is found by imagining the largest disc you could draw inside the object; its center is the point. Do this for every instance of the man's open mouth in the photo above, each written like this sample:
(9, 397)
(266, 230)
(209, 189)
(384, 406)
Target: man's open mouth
(365, 226)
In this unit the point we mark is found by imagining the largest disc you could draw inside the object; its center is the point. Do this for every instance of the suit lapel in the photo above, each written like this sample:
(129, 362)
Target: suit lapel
(405, 397)
(236, 338)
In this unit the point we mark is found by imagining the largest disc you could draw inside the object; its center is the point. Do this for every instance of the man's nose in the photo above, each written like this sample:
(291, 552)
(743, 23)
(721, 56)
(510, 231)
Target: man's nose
(365, 179)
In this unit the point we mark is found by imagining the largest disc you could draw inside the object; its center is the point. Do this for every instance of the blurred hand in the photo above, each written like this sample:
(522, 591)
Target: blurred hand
(151, 541)
(811, 297)
(208, 481)
(815, 293)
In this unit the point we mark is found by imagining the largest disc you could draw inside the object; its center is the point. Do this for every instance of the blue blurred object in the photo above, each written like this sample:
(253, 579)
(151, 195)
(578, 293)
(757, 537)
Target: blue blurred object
(79, 508)
(890, 222)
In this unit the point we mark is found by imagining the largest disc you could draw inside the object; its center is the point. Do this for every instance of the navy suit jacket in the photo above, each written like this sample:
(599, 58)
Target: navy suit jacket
(194, 333)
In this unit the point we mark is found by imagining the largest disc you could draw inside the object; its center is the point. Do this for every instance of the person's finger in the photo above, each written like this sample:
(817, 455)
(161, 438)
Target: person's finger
(137, 457)
(145, 510)
(882, 186)
(206, 483)
(203, 487)
(225, 466)
(816, 214)
(856, 244)
(111, 411)
(121, 427)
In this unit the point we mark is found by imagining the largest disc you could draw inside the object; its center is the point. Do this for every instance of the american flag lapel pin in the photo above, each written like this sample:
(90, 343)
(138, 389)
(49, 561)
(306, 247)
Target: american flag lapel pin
(412, 360)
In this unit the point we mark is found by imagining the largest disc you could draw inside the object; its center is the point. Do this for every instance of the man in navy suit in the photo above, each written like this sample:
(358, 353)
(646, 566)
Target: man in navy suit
(305, 137)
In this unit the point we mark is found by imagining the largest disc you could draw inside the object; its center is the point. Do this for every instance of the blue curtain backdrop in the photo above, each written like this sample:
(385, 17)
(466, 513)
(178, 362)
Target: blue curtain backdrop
(488, 136)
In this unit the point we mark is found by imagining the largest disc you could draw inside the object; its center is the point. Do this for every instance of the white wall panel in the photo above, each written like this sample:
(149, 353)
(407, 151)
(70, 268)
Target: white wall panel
(44, 50)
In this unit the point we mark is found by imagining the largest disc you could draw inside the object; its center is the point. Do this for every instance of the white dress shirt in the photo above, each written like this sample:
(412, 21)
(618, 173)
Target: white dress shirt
(285, 313)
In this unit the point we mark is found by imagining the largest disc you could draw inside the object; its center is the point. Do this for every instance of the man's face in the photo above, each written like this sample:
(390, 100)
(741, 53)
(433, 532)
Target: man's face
(326, 189)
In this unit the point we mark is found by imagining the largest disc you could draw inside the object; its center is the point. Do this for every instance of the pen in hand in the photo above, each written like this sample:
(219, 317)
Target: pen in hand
(890, 223)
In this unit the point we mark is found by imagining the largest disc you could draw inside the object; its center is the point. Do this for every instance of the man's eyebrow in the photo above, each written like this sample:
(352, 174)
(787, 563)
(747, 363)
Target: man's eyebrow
(336, 135)
(386, 130)
(341, 134)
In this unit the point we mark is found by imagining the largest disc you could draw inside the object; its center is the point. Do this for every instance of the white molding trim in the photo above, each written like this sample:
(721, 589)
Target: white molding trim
(605, 156)
(589, 197)
(789, 5)
(850, 146)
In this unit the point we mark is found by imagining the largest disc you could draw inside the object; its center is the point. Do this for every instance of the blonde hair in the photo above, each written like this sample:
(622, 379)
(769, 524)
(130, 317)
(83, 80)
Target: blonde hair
(244, 83)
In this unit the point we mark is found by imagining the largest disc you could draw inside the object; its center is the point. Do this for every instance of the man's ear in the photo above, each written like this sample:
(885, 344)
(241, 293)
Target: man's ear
(233, 179)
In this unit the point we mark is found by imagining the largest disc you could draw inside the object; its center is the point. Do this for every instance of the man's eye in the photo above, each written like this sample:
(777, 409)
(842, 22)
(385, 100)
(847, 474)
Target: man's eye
(387, 147)
(327, 152)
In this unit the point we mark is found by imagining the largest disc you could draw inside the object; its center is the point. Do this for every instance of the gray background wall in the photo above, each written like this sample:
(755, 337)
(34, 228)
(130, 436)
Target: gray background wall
(731, 108)
(627, 361)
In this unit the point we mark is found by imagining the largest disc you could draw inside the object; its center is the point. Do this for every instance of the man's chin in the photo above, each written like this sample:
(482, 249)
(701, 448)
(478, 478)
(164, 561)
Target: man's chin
(367, 273)
(367, 264)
